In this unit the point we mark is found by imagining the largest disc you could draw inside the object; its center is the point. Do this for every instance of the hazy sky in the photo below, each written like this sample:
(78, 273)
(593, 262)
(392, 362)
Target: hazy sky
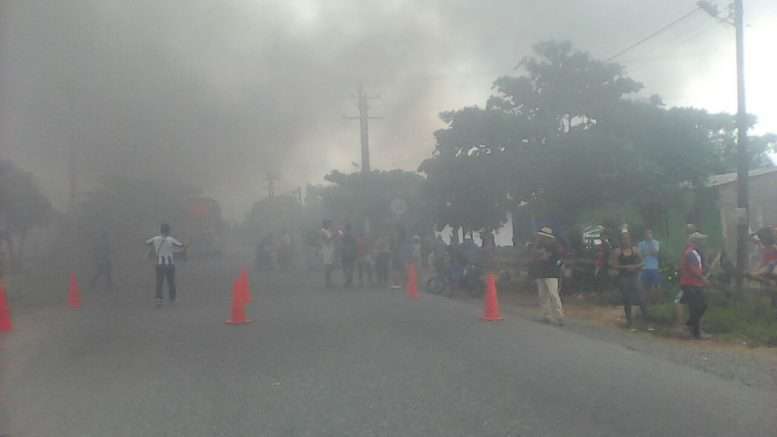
(220, 92)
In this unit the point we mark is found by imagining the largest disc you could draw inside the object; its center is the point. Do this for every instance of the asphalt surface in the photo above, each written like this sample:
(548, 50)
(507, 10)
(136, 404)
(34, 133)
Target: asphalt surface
(321, 362)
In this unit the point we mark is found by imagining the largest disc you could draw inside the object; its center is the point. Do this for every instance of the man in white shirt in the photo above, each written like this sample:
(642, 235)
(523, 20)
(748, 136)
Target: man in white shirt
(164, 247)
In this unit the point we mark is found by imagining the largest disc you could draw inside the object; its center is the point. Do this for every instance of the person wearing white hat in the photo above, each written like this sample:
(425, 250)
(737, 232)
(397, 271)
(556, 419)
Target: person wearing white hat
(546, 263)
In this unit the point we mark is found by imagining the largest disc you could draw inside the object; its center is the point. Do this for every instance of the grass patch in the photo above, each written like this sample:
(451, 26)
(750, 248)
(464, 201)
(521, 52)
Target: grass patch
(662, 314)
(756, 323)
(750, 317)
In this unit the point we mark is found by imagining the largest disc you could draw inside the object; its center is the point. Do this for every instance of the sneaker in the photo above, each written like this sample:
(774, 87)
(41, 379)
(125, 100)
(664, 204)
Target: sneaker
(158, 302)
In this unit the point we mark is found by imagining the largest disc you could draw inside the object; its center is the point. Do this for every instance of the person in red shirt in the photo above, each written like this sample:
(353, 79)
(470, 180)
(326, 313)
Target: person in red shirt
(767, 267)
(693, 282)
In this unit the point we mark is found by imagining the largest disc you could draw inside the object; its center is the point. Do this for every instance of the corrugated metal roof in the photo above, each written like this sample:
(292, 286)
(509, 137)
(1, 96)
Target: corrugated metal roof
(727, 178)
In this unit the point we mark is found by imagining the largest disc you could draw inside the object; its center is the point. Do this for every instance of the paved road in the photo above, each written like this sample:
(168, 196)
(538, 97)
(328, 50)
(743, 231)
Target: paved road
(343, 363)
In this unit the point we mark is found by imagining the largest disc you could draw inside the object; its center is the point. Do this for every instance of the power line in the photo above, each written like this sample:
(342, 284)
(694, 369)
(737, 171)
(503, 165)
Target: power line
(655, 34)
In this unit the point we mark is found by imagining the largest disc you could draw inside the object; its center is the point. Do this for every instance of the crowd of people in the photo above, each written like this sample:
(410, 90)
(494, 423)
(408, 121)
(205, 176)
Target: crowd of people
(381, 260)
(637, 270)
(378, 260)
(368, 259)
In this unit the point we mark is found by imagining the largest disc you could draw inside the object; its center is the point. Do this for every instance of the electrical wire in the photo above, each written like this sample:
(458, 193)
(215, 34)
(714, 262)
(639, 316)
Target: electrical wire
(654, 34)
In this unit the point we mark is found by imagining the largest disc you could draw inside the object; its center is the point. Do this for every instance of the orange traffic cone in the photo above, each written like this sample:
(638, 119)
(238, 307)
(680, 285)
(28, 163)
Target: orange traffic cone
(412, 281)
(6, 325)
(491, 302)
(239, 303)
(245, 286)
(74, 294)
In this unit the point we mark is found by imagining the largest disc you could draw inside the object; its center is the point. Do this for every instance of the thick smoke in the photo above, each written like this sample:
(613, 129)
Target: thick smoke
(220, 93)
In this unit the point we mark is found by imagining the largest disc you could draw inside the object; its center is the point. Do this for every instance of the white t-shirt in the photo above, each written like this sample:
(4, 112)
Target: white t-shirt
(164, 247)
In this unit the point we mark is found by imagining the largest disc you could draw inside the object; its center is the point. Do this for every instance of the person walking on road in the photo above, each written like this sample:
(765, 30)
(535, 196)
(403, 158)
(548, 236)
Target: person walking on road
(348, 253)
(628, 262)
(103, 255)
(546, 267)
(693, 282)
(649, 249)
(164, 248)
(327, 237)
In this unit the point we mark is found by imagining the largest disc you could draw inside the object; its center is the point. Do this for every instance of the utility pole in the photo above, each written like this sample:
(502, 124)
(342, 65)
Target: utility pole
(72, 153)
(743, 156)
(362, 101)
(72, 176)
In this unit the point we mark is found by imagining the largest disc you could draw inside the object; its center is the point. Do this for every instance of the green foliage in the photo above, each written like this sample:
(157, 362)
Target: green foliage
(22, 205)
(567, 136)
(355, 197)
(755, 321)
(662, 314)
(752, 318)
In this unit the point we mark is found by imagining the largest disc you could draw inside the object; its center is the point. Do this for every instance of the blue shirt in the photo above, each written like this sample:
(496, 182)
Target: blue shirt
(649, 251)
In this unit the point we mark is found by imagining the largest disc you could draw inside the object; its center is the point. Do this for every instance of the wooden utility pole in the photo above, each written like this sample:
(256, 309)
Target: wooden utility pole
(362, 101)
(743, 155)
(72, 176)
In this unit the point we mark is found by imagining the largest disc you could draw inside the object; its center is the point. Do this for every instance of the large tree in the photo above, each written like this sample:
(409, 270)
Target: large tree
(568, 134)
(22, 205)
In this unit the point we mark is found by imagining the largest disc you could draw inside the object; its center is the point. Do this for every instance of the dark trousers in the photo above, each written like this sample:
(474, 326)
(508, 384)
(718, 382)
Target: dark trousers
(104, 270)
(631, 296)
(349, 266)
(165, 273)
(697, 305)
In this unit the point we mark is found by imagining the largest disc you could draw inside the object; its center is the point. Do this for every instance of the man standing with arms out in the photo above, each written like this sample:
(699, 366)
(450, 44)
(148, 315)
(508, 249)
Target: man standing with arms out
(164, 247)
(327, 251)
(547, 267)
(693, 281)
(649, 249)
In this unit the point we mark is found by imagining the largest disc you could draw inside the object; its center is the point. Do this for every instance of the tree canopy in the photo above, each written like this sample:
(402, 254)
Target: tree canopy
(568, 134)
(355, 197)
(22, 204)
